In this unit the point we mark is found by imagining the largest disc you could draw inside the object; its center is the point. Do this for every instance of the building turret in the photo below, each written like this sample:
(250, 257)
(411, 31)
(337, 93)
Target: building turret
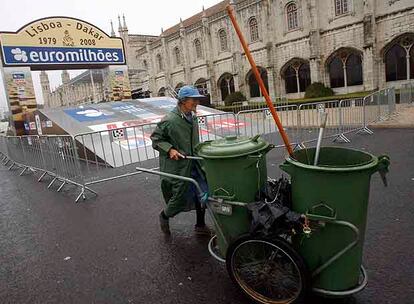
(45, 84)
(112, 30)
(65, 77)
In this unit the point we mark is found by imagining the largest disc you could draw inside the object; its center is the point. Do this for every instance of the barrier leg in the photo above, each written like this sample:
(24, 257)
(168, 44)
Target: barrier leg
(12, 165)
(82, 194)
(342, 138)
(52, 182)
(24, 170)
(61, 186)
(42, 176)
(365, 130)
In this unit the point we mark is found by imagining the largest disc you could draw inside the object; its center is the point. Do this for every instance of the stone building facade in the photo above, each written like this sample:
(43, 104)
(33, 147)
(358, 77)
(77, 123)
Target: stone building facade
(73, 91)
(349, 45)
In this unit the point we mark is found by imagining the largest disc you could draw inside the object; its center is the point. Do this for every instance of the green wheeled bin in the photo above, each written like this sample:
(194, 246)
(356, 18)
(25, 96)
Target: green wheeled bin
(235, 168)
(335, 195)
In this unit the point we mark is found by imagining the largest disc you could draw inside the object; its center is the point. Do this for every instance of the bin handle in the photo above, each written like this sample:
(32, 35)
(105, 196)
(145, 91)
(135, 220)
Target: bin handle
(226, 196)
(313, 215)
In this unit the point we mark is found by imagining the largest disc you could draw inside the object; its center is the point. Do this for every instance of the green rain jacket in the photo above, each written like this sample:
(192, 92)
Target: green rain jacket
(174, 131)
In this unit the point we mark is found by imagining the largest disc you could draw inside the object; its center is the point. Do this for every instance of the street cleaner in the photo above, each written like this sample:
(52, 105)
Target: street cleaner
(175, 137)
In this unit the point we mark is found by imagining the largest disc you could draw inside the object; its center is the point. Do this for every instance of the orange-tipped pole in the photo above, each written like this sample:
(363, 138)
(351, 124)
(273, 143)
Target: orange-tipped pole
(259, 79)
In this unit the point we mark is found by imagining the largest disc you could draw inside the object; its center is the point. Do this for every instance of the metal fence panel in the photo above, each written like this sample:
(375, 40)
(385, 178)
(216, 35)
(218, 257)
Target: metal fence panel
(309, 120)
(216, 126)
(407, 93)
(253, 122)
(3, 148)
(352, 115)
(60, 159)
(15, 150)
(109, 153)
(33, 152)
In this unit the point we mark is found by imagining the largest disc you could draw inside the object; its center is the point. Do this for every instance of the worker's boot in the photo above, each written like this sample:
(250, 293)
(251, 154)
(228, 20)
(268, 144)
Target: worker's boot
(164, 223)
(201, 228)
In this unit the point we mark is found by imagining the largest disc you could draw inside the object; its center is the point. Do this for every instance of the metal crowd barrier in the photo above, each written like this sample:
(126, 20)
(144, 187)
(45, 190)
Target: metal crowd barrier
(309, 120)
(252, 122)
(101, 156)
(378, 106)
(113, 154)
(4, 156)
(407, 93)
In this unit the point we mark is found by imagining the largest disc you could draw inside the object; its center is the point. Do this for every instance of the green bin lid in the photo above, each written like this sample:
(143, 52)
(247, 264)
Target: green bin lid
(231, 146)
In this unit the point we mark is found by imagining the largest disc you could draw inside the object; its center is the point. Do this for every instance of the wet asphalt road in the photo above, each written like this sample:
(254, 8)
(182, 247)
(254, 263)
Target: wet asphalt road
(118, 255)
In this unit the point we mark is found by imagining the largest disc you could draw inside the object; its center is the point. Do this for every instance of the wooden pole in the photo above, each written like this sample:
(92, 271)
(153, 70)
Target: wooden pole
(259, 79)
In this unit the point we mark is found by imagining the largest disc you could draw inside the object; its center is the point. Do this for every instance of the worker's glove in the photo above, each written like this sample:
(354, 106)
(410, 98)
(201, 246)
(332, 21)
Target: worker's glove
(203, 198)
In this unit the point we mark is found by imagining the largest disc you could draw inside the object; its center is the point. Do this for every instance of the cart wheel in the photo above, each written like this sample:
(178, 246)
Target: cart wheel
(268, 271)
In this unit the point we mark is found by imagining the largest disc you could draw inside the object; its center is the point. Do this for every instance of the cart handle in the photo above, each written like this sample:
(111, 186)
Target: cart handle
(202, 194)
(164, 174)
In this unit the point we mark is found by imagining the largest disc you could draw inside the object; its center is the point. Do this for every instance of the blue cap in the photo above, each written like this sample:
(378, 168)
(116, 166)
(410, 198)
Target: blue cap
(189, 92)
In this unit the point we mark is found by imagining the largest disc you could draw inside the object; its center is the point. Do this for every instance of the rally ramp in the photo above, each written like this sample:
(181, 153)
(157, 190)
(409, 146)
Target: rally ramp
(117, 134)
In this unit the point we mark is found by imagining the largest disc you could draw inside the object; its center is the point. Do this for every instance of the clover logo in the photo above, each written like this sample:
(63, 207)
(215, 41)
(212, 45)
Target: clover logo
(19, 55)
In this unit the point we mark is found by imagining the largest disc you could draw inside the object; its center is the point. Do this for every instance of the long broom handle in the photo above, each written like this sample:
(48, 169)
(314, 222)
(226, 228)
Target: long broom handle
(259, 79)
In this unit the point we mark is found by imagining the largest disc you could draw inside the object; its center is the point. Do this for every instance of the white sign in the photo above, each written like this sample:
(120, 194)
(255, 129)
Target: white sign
(201, 120)
(39, 125)
(118, 134)
(321, 108)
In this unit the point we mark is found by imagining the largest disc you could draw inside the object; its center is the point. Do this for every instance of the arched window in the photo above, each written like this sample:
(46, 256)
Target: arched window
(291, 83)
(201, 85)
(160, 63)
(226, 85)
(254, 86)
(297, 77)
(145, 64)
(177, 54)
(179, 86)
(161, 92)
(292, 16)
(336, 73)
(354, 70)
(396, 63)
(345, 69)
(198, 49)
(254, 29)
(412, 62)
(223, 40)
(341, 7)
(399, 58)
(304, 77)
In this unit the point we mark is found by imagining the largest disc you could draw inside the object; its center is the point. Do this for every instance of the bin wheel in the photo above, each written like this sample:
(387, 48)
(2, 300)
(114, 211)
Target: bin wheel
(268, 271)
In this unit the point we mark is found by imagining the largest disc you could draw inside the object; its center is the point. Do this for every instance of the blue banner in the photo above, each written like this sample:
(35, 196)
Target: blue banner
(17, 55)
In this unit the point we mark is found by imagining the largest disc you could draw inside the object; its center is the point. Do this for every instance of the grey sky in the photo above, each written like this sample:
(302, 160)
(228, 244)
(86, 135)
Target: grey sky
(143, 17)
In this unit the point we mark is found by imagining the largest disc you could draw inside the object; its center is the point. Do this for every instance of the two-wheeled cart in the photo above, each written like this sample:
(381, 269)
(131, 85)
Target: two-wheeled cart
(322, 252)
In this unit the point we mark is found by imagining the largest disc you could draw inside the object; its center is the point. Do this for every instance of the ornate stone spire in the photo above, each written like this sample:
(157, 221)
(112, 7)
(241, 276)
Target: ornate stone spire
(119, 24)
(125, 26)
(112, 29)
